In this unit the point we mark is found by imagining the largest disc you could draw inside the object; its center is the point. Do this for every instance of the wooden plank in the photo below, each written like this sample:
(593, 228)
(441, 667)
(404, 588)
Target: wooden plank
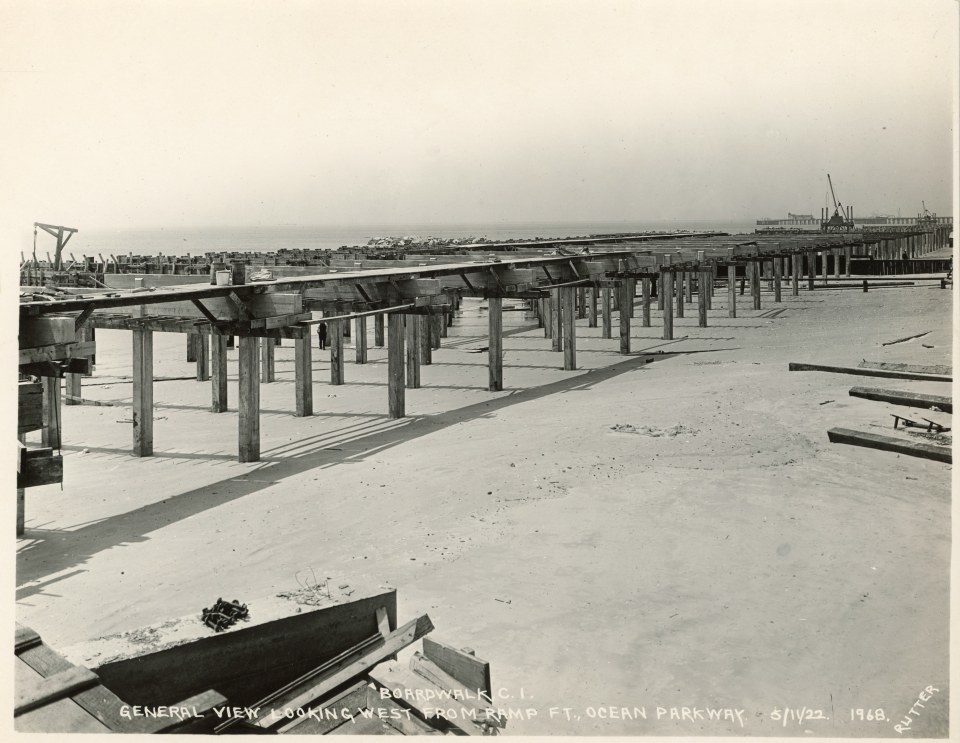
(29, 407)
(469, 697)
(40, 692)
(383, 649)
(24, 639)
(889, 443)
(908, 399)
(944, 369)
(331, 713)
(423, 696)
(36, 471)
(57, 352)
(222, 308)
(46, 331)
(863, 372)
(395, 390)
(249, 400)
(464, 666)
(51, 433)
(396, 716)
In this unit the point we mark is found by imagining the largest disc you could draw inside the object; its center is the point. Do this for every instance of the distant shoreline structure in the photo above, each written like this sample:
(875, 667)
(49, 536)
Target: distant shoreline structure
(812, 223)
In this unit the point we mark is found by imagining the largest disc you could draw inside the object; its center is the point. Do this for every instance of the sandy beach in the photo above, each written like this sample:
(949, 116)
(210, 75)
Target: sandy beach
(669, 530)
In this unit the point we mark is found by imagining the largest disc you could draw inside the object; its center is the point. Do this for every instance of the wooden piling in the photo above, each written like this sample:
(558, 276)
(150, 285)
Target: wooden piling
(755, 283)
(412, 325)
(142, 393)
(545, 318)
(592, 307)
(667, 279)
(702, 294)
(378, 331)
(191, 348)
(777, 285)
(423, 334)
(495, 342)
(569, 329)
(731, 290)
(556, 337)
(681, 291)
(203, 357)
(622, 289)
(824, 256)
(218, 373)
(795, 261)
(335, 340)
(395, 389)
(51, 433)
(645, 302)
(688, 286)
(360, 340)
(811, 269)
(836, 263)
(606, 312)
(434, 322)
(631, 297)
(303, 376)
(248, 383)
(267, 358)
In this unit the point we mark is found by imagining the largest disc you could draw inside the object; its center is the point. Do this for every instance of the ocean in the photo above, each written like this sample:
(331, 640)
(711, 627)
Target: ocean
(200, 240)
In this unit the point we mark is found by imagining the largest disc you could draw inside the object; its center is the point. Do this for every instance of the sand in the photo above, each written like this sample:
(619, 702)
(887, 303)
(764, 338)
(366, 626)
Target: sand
(715, 551)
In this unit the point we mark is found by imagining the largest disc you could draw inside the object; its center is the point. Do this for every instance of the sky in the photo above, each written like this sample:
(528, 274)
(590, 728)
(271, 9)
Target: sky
(127, 115)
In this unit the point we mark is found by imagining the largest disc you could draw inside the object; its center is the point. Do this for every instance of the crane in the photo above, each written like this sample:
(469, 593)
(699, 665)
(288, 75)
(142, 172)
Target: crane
(836, 204)
(842, 219)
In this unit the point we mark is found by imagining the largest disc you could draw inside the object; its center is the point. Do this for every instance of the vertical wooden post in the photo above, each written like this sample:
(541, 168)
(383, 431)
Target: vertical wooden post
(689, 287)
(51, 432)
(423, 333)
(395, 390)
(754, 271)
(606, 312)
(443, 325)
(412, 325)
(645, 302)
(581, 297)
(203, 357)
(378, 331)
(142, 393)
(267, 360)
(702, 294)
(21, 498)
(667, 279)
(836, 263)
(434, 322)
(592, 306)
(335, 341)
(777, 286)
(660, 291)
(795, 260)
(72, 385)
(557, 332)
(731, 290)
(546, 315)
(824, 254)
(709, 277)
(191, 347)
(811, 268)
(303, 375)
(248, 376)
(218, 373)
(569, 329)
(847, 255)
(623, 289)
(681, 291)
(360, 340)
(631, 296)
(495, 343)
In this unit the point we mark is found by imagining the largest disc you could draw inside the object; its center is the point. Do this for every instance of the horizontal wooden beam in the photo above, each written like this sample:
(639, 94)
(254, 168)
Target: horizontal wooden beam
(46, 331)
(868, 372)
(39, 467)
(889, 443)
(908, 399)
(58, 352)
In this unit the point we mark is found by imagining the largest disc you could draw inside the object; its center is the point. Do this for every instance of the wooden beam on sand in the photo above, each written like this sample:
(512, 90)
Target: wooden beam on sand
(395, 390)
(908, 399)
(860, 371)
(249, 403)
(889, 443)
(303, 376)
(495, 344)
